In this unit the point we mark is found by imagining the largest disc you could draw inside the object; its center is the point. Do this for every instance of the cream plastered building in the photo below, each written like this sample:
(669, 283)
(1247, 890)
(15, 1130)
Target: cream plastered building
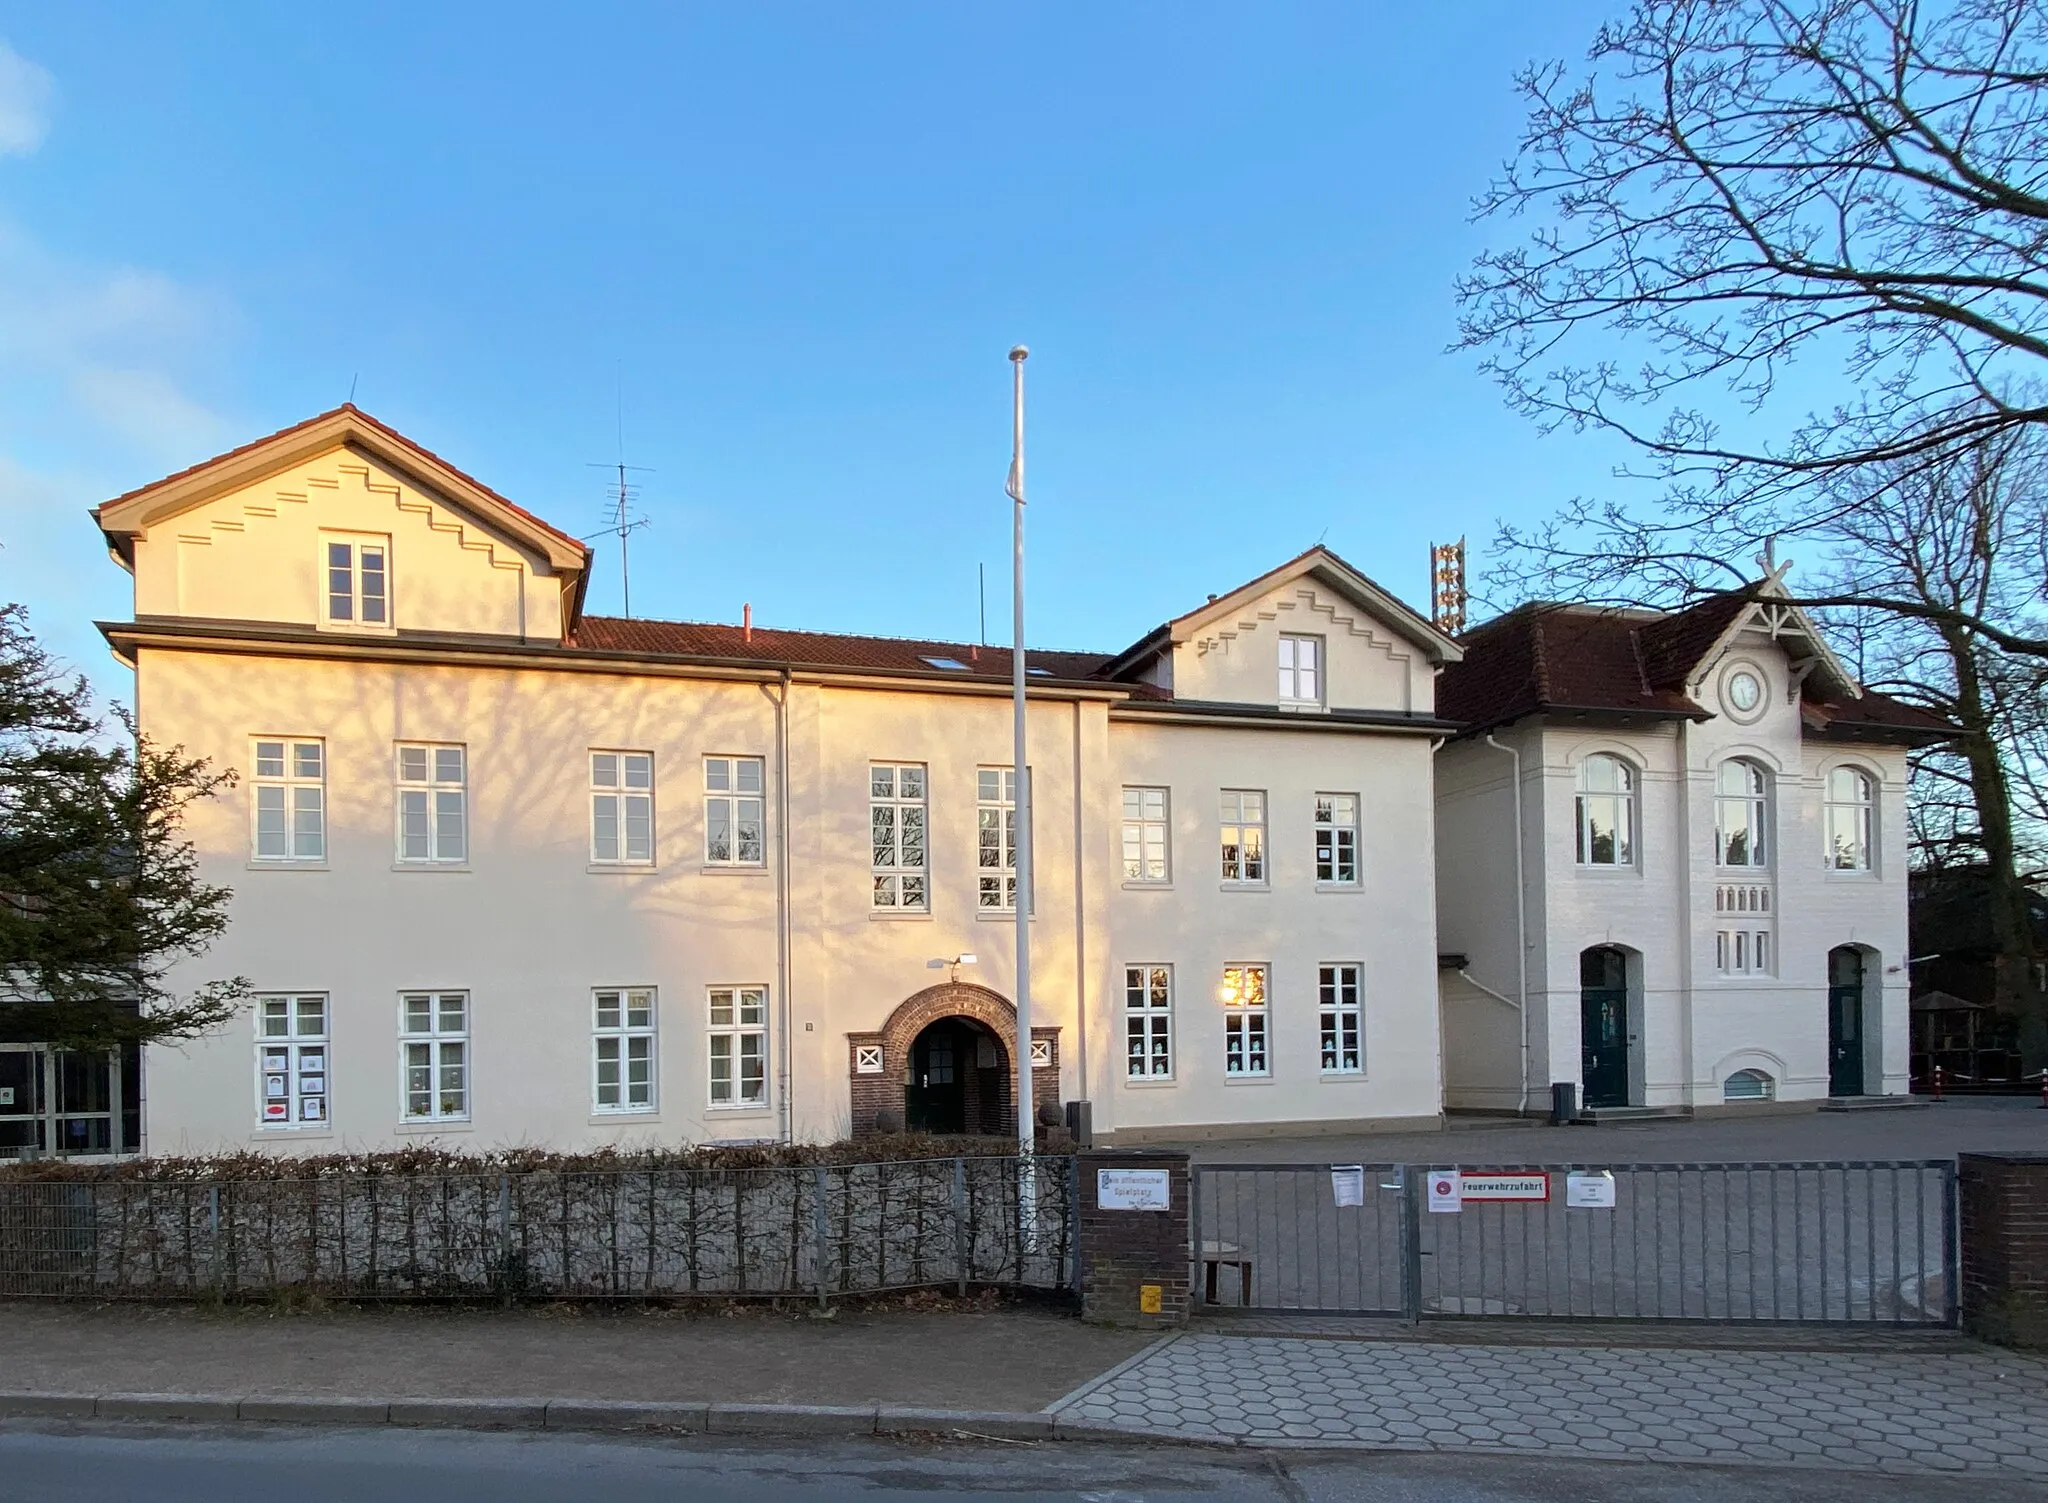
(1671, 862)
(508, 873)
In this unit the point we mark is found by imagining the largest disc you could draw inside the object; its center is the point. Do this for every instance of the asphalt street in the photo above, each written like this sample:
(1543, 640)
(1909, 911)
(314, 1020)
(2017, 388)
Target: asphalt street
(247, 1464)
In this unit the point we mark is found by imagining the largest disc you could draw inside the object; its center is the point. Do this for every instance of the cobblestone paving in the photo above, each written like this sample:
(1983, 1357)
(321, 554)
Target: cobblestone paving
(1890, 1410)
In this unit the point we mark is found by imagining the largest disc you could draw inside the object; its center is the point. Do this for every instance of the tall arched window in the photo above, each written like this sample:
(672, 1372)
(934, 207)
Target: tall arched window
(1851, 802)
(1741, 807)
(1607, 812)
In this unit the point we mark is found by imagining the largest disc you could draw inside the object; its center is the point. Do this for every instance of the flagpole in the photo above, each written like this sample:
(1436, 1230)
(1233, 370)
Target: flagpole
(1026, 1097)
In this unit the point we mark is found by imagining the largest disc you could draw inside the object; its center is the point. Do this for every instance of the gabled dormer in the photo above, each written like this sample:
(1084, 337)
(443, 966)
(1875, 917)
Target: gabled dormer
(1313, 636)
(342, 525)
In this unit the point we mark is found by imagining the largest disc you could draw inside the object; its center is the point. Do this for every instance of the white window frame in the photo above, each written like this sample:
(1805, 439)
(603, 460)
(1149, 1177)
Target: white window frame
(899, 837)
(438, 802)
(299, 798)
(1754, 803)
(294, 1062)
(730, 803)
(353, 577)
(1295, 675)
(995, 863)
(434, 1038)
(1758, 1085)
(1246, 993)
(1147, 836)
(619, 801)
(1340, 1016)
(1620, 804)
(1337, 840)
(1148, 1022)
(1242, 814)
(1744, 952)
(623, 1021)
(1861, 808)
(736, 1035)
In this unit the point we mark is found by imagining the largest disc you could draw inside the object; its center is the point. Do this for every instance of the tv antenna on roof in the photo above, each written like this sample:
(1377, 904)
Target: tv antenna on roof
(622, 523)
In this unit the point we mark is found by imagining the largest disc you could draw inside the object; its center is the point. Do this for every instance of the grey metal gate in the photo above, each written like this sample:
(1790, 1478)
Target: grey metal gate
(1860, 1242)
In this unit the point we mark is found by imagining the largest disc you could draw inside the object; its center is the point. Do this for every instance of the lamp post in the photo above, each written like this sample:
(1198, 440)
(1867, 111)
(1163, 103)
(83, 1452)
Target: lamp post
(1026, 1112)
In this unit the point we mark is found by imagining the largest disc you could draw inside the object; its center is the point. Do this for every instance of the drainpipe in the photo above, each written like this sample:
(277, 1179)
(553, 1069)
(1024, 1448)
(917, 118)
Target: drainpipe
(785, 1112)
(1521, 924)
(1080, 925)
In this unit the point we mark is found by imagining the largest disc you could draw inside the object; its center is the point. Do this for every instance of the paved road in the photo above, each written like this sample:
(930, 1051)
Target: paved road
(249, 1465)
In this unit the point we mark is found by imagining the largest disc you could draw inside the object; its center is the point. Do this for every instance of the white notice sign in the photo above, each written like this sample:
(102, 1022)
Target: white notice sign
(1132, 1189)
(1347, 1184)
(1591, 1188)
(1443, 1190)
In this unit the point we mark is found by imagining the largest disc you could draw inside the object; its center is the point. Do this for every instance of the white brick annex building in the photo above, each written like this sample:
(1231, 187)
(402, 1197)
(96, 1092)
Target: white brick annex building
(507, 872)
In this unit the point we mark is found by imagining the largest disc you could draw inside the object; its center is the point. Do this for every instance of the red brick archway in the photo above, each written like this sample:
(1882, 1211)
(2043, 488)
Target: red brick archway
(879, 1063)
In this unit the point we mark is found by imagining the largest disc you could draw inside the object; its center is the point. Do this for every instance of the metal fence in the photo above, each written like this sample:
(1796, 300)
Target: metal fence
(811, 1231)
(1859, 1242)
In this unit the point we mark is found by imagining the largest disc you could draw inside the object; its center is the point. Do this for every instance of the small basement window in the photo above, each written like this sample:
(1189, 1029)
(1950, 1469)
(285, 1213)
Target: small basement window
(1748, 1085)
(951, 665)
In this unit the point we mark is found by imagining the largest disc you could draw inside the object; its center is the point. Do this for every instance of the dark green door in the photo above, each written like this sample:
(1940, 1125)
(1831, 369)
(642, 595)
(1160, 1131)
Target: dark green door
(1845, 1022)
(1603, 1026)
(935, 1096)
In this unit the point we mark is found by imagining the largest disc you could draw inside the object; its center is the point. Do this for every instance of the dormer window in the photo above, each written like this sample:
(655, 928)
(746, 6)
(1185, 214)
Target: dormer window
(1301, 670)
(357, 575)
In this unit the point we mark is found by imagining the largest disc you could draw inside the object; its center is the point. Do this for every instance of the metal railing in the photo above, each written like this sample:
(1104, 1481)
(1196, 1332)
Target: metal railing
(812, 1231)
(1861, 1242)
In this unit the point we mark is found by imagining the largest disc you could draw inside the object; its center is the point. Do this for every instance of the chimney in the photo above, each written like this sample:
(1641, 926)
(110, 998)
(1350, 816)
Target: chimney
(747, 622)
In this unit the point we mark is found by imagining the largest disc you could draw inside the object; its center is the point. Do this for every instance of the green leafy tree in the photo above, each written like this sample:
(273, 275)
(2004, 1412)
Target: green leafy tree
(100, 896)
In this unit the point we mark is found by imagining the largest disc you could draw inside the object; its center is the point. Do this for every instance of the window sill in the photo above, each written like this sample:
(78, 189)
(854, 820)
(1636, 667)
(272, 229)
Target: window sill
(1302, 706)
(618, 1119)
(1357, 887)
(357, 629)
(1231, 1080)
(1605, 873)
(750, 1109)
(898, 915)
(1341, 1077)
(323, 1134)
(622, 869)
(287, 866)
(1148, 887)
(1149, 1082)
(430, 866)
(734, 869)
(1244, 887)
(999, 916)
(428, 1128)
(1832, 874)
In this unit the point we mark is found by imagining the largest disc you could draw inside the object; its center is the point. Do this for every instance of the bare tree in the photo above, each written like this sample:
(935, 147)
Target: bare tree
(1736, 185)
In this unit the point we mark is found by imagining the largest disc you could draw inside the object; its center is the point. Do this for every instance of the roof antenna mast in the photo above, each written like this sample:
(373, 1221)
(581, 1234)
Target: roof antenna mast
(620, 521)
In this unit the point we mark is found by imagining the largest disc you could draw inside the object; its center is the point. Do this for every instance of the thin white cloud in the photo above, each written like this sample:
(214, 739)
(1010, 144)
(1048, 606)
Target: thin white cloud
(26, 90)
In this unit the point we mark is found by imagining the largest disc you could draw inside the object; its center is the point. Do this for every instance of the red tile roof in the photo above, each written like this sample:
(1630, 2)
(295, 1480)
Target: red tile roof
(770, 647)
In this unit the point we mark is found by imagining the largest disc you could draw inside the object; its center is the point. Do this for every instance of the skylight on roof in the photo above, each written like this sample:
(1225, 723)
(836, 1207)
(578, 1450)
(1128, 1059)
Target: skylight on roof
(951, 665)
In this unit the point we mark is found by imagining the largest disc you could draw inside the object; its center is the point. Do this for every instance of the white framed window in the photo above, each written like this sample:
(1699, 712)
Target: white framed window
(1301, 670)
(1741, 812)
(433, 1043)
(621, 808)
(288, 801)
(1148, 1022)
(1749, 1085)
(1243, 995)
(357, 575)
(1850, 809)
(735, 832)
(897, 828)
(1606, 812)
(622, 1049)
(433, 804)
(291, 1061)
(1242, 836)
(1147, 848)
(1337, 839)
(738, 1045)
(995, 840)
(1742, 952)
(1340, 1003)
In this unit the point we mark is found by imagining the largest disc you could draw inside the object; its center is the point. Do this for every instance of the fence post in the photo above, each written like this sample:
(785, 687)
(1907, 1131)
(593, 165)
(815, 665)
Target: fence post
(960, 1222)
(1410, 1179)
(818, 1235)
(2004, 1232)
(505, 1236)
(213, 1233)
(1074, 1225)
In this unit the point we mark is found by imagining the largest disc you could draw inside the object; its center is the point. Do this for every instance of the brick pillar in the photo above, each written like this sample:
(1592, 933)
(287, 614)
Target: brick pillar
(1134, 1263)
(2005, 1246)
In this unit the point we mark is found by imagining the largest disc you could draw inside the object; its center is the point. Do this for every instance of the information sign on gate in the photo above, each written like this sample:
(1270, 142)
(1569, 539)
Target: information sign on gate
(1592, 1189)
(1443, 1188)
(1479, 1185)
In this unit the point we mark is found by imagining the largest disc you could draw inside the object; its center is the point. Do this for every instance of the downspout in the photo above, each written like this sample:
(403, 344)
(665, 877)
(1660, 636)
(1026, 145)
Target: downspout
(1521, 924)
(1688, 921)
(1080, 917)
(784, 1110)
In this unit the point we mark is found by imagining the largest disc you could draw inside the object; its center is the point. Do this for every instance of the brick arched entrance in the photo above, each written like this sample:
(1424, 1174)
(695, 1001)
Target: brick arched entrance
(878, 1063)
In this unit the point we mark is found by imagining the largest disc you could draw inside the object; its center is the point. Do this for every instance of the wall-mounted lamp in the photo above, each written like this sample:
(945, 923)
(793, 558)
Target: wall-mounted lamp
(952, 965)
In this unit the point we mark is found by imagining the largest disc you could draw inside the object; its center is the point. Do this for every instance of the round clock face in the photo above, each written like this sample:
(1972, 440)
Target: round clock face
(1745, 693)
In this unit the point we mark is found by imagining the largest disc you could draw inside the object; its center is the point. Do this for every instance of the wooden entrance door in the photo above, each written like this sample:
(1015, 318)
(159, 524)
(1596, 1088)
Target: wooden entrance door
(1603, 1026)
(935, 1096)
(1845, 1021)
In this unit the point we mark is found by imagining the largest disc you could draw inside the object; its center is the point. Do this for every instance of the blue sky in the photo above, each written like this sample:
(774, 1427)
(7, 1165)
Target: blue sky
(800, 238)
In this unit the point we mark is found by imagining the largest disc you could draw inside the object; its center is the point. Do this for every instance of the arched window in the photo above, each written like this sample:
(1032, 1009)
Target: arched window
(1748, 1085)
(1607, 812)
(1741, 806)
(1851, 802)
